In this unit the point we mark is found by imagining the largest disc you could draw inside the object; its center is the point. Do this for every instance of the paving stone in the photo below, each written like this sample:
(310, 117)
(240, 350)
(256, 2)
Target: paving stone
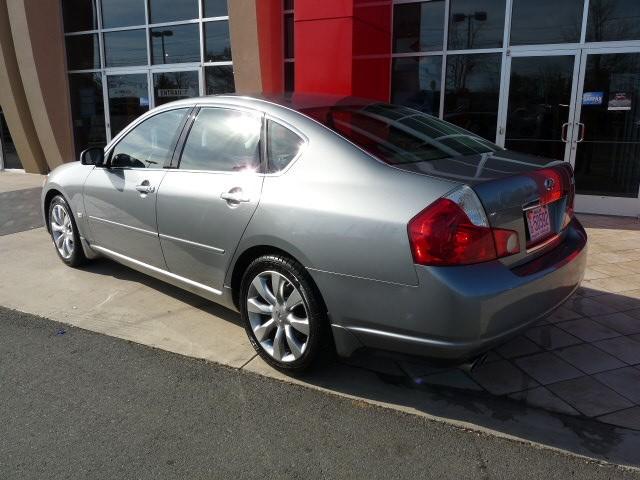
(450, 378)
(518, 347)
(543, 398)
(589, 359)
(502, 377)
(561, 314)
(551, 337)
(629, 418)
(547, 368)
(588, 307)
(620, 322)
(625, 381)
(625, 348)
(589, 397)
(619, 301)
(416, 369)
(588, 330)
(634, 313)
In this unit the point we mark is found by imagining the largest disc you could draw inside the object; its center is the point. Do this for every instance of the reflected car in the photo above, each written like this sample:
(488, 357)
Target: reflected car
(329, 223)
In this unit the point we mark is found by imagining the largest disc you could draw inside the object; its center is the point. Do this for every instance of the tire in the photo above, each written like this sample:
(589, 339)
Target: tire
(64, 233)
(268, 315)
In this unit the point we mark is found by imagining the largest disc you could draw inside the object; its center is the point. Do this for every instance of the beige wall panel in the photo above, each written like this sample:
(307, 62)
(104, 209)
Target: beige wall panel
(36, 27)
(14, 102)
(245, 51)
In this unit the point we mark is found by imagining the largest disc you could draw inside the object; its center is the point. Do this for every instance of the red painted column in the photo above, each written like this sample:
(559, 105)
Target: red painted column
(343, 47)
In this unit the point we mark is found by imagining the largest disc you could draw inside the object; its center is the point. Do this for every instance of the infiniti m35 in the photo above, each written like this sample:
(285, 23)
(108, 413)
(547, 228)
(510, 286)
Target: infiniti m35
(329, 223)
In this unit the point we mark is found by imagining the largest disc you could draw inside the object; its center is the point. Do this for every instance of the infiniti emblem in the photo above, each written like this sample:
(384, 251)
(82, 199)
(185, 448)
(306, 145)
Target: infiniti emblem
(549, 183)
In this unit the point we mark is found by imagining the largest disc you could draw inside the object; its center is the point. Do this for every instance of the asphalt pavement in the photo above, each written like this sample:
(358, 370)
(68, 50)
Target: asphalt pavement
(77, 404)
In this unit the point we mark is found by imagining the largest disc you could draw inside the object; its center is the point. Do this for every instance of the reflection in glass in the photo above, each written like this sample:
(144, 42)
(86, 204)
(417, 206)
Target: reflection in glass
(87, 110)
(223, 140)
(539, 99)
(175, 44)
(399, 135)
(83, 52)
(217, 43)
(416, 83)
(219, 79)
(608, 160)
(546, 21)
(125, 48)
(476, 24)
(215, 8)
(151, 143)
(418, 27)
(170, 86)
(472, 92)
(282, 146)
(9, 153)
(128, 99)
(79, 15)
(611, 20)
(289, 51)
(289, 77)
(122, 13)
(161, 11)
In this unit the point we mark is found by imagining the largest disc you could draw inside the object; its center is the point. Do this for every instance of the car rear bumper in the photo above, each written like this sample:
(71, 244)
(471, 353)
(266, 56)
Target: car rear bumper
(456, 313)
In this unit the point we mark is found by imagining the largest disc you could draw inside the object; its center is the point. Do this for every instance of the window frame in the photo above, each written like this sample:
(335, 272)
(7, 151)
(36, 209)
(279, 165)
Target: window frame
(186, 131)
(305, 141)
(125, 132)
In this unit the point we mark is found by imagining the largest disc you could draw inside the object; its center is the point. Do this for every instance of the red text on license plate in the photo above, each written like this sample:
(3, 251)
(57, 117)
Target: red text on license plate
(538, 222)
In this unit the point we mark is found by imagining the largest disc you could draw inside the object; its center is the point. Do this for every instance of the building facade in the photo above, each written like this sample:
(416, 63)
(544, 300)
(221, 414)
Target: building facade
(559, 78)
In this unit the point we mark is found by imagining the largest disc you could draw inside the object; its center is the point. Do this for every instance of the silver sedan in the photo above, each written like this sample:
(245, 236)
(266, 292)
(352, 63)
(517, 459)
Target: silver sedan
(328, 223)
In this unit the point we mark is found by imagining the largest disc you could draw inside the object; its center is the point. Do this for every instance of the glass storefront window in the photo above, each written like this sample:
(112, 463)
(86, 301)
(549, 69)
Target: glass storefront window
(79, 15)
(175, 44)
(289, 76)
(122, 13)
(170, 86)
(9, 153)
(87, 108)
(214, 8)
(219, 79)
(128, 99)
(288, 36)
(83, 52)
(125, 48)
(418, 27)
(612, 20)
(161, 11)
(476, 24)
(217, 44)
(546, 21)
(608, 160)
(416, 83)
(472, 92)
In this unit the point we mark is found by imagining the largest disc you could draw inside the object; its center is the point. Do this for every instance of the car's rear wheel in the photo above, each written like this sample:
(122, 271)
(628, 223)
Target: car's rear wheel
(283, 313)
(64, 233)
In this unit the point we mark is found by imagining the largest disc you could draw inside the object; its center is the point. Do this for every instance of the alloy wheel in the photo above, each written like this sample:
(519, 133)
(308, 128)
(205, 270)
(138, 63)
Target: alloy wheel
(62, 231)
(278, 316)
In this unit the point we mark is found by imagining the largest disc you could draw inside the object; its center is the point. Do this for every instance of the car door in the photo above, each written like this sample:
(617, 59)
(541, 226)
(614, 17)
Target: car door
(205, 204)
(120, 198)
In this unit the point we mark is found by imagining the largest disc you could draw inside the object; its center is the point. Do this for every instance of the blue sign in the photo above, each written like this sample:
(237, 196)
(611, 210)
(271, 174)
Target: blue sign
(592, 98)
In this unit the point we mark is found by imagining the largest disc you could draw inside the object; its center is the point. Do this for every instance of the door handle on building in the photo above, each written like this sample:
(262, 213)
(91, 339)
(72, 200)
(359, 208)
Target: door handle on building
(581, 132)
(563, 134)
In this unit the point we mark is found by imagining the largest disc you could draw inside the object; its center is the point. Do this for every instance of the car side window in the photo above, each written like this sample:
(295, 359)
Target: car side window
(283, 146)
(151, 143)
(224, 140)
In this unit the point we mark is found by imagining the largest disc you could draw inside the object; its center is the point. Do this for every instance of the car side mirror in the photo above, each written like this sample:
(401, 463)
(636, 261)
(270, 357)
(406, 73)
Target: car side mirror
(92, 156)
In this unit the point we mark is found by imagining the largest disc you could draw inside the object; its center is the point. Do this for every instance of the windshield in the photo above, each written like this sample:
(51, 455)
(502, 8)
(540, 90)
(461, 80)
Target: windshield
(399, 135)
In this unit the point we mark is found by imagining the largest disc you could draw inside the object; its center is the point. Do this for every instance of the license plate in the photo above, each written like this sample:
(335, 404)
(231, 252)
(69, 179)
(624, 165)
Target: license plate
(539, 223)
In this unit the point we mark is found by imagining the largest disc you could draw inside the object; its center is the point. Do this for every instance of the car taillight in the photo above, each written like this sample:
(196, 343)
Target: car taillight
(454, 231)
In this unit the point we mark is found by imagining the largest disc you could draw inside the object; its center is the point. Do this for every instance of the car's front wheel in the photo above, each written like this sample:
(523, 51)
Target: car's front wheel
(64, 233)
(283, 313)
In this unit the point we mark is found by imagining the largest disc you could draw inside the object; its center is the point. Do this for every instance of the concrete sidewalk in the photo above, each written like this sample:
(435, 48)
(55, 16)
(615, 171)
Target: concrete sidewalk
(566, 366)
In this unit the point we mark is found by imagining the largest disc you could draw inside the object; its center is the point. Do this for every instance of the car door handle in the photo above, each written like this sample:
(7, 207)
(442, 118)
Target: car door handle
(235, 195)
(144, 187)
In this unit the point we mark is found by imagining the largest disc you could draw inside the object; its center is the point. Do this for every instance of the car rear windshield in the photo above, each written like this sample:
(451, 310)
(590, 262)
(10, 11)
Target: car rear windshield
(399, 135)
